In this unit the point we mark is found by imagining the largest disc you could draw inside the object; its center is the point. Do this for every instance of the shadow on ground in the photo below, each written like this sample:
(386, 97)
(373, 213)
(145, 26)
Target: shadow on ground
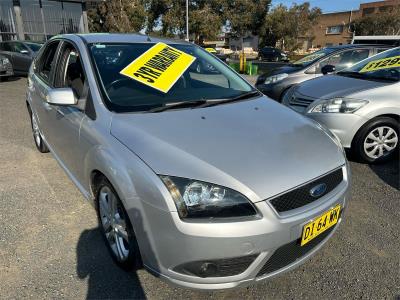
(388, 172)
(105, 279)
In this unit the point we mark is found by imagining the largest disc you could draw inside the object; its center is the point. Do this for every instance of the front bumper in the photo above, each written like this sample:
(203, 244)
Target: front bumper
(174, 242)
(273, 91)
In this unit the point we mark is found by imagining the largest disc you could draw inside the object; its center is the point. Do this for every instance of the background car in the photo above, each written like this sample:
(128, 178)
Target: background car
(272, 54)
(360, 105)
(5, 68)
(278, 80)
(20, 54)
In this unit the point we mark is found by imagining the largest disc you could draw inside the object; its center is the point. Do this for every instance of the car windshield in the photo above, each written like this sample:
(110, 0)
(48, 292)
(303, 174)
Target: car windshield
(34, 46)
(309, 59)
(384, 66)
(207, 78)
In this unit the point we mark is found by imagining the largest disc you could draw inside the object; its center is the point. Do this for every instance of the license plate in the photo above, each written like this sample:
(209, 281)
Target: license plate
(319, 225)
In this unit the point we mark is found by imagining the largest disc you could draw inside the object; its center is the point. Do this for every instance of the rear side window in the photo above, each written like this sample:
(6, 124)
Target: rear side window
(7, 47)
(47, 61)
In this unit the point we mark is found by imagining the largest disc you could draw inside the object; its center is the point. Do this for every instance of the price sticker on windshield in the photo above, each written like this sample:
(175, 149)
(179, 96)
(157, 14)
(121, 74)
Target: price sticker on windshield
(385, 63)
(159, 67)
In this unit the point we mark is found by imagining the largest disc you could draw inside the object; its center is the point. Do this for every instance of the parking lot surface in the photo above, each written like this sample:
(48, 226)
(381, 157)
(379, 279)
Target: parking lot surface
(50, 246)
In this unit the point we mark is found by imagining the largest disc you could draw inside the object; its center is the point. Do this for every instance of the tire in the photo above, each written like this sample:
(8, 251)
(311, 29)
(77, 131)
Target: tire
(4, 78)
(37, 136)
(116, 228)
(377, 141)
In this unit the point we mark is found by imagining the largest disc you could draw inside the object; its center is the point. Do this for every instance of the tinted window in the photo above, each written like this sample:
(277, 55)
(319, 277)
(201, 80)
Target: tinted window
(17, 47)
(74, 77)
(34, 46)
(206, 78)
(384, 66)
(47, 61)
(345, 59)
(313, 57)
(7, 47)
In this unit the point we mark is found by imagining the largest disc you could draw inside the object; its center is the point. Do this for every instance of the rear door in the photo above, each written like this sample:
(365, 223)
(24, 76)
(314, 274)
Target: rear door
(42, 82)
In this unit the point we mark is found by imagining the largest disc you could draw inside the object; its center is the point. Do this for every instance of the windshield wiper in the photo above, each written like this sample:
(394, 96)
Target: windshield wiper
(180, 104)
(240, 97)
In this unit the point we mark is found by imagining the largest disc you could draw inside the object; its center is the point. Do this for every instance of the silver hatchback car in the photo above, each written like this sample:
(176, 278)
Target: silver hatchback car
(194, 174)
(359, 104)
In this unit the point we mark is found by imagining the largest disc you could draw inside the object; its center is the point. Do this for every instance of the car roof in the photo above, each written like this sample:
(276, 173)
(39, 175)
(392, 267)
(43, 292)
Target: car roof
(349, 46)
(122, 38)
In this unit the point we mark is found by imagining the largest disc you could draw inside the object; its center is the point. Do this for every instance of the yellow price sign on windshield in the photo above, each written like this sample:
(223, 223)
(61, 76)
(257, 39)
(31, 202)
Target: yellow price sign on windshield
(159, 67)
(384, 63)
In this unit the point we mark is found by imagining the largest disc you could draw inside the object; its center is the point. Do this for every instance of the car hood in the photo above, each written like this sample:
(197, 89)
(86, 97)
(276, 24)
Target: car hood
(257, 147)
(332, 86)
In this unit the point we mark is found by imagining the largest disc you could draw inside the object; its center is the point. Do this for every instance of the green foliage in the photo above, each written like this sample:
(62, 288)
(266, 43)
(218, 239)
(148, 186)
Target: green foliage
(286, 26)
(118, 16)
(383, 23)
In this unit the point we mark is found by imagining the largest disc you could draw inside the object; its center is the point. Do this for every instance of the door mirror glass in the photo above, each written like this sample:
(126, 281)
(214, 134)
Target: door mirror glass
(61, 96)
(328, 69)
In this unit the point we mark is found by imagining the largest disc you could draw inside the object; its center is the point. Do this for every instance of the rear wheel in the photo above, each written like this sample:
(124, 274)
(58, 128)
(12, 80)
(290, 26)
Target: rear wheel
(377, 141)
(116, 228)
(37, 136)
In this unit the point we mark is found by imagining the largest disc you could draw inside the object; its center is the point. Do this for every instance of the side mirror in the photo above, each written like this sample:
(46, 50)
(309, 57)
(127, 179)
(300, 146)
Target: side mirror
(328, 69)
(61, 96)
(24, 52)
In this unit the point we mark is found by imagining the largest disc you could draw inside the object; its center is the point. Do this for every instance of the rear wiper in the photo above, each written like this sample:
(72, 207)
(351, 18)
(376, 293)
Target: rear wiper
(242, 96)
(180, 104)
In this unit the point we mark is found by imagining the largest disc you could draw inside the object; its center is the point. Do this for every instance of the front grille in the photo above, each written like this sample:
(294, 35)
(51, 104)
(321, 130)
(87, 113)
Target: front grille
(300, 101)
(217, 267)
(289, 253)
(301, 196)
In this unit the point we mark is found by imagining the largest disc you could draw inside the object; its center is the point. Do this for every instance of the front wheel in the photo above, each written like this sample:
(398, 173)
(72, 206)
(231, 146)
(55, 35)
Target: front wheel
(377, 141)
(116, 228)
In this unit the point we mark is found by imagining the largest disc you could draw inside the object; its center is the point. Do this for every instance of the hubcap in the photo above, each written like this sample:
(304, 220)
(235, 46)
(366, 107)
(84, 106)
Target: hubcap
(380, 142)
(113, 222)
(36, 132)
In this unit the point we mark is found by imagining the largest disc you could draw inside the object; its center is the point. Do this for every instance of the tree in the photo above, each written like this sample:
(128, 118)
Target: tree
(287, 26)
(382, 23)
(118, 16)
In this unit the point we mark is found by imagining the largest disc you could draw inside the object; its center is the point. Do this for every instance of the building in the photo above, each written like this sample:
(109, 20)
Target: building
(334, 28)
(38, 20)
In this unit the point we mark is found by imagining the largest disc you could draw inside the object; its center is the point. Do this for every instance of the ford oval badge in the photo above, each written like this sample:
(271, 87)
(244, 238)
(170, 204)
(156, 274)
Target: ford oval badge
(318, 190)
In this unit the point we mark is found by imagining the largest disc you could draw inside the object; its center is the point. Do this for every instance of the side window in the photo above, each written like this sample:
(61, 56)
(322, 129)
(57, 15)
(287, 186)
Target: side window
(71, 71)
(344, 59)
(47, 61)
(379, 50)
(7, 47)
(18, 47)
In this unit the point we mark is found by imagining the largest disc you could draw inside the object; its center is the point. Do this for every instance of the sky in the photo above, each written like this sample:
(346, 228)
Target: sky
(327, 5)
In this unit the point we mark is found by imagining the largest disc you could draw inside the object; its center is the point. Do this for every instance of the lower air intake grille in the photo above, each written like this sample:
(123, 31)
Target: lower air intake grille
(301, 196)
(289, 253)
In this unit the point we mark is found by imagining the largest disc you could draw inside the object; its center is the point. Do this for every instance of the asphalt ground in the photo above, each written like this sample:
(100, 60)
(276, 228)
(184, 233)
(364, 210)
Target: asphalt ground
(50, 245)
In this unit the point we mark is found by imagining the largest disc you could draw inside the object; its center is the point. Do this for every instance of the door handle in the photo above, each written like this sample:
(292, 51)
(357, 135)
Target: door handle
(59, 111)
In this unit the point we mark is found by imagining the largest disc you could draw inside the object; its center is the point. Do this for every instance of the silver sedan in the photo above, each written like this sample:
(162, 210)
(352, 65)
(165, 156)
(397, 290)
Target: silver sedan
(360, 105)
(194, 174)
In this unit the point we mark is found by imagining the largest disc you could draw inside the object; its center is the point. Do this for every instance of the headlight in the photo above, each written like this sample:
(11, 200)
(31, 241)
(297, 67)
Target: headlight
(275, 78)
(4, 61)
(338, 105)
(197, 199)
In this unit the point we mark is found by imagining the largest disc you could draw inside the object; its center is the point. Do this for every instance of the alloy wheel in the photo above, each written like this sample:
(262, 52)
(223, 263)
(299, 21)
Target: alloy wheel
(381, 141)
(114, 224)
